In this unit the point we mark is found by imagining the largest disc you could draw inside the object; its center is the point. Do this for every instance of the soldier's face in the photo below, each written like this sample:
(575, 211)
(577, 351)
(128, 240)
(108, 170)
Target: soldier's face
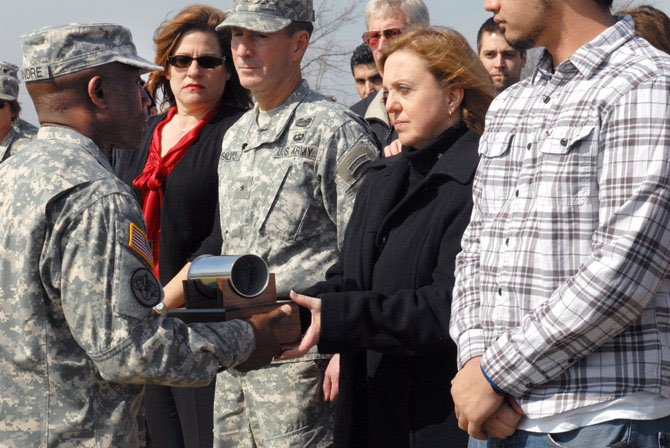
(265, 63)
(128, 104)
(5, 118)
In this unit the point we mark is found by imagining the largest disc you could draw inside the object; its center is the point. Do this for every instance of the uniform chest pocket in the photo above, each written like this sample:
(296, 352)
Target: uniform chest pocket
(285, 214)
(567, 159)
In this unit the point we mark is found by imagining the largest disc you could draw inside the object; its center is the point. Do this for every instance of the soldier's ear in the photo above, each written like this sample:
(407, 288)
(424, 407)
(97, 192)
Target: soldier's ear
(96, 91)
(301, 39)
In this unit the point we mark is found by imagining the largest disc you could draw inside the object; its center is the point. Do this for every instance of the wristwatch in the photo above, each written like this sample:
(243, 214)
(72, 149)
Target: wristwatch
(160, 309)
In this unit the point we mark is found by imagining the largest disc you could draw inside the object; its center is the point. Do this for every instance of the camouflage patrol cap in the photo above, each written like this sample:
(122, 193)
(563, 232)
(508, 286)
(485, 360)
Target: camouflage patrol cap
(268, 16)
(9, 81)
(56, 51)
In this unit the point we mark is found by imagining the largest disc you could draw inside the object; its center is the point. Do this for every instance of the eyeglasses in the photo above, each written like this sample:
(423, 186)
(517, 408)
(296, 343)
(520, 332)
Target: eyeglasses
(183, 61)
(371, 38)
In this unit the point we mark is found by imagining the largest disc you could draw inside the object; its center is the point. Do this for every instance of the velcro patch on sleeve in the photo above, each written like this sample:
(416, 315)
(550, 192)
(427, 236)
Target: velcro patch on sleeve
(352, 165)
(139, 244)
(145, 287)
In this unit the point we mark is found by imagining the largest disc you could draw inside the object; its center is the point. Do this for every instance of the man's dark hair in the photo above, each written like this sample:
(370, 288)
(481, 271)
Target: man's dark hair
(490, 26)
(362, 55)
(607, 4)
(294, 27)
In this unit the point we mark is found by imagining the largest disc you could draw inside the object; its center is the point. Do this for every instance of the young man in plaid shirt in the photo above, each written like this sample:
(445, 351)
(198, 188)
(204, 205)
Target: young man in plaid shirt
(562, 302)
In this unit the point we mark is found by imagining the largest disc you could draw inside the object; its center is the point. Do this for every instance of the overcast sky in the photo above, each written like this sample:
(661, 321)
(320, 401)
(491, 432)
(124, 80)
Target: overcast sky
(143, 16)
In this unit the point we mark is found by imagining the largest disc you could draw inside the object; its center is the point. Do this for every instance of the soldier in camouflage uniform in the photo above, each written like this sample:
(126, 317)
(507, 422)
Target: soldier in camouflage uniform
(14, 132)
(77, 332)
(288, 174)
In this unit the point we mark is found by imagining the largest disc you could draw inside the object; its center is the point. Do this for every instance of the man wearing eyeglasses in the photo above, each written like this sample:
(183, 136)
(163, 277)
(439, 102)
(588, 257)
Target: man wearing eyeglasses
(14, 132)
(288, 174)
(385, 20)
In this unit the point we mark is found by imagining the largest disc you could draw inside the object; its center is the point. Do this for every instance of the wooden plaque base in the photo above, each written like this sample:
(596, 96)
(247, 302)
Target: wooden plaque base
(209, 304)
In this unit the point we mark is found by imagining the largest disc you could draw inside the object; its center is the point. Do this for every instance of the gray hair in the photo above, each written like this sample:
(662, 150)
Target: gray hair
(415, 11)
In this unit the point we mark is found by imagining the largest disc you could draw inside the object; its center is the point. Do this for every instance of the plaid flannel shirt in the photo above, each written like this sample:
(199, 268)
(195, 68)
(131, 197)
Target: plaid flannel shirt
(563, 282)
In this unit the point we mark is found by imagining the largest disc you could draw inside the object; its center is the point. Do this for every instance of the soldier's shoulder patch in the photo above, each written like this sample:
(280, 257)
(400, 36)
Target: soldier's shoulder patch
(138, 243)
(145, 287)
(352, 165)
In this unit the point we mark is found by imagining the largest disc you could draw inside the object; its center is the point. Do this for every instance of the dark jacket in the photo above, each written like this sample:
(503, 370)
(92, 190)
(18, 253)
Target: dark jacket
(386, 304)
(372, 109)
(191, 190)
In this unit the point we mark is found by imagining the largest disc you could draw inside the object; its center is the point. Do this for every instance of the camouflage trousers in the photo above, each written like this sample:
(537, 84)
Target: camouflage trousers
(278, 406)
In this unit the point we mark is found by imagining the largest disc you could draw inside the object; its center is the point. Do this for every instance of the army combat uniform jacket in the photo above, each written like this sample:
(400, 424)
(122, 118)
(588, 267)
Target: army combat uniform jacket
(18, 136)
(77, 334)
(286, 191)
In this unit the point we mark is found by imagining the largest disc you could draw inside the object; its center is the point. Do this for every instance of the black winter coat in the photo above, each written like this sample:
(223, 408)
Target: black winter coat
(391, 326)
(191, 190)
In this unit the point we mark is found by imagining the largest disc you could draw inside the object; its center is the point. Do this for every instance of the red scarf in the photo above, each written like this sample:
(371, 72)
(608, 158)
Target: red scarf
(152, 179)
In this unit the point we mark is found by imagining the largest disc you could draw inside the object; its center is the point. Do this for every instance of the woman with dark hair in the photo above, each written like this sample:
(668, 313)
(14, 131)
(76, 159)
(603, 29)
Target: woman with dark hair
(175, 178)
(385, 306)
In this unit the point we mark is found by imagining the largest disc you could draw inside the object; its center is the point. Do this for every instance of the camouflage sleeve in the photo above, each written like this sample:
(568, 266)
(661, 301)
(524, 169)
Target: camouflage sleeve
(107, 291)
(349, 149)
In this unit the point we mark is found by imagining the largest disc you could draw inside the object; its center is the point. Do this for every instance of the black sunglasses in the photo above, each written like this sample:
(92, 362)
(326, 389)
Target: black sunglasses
(183, 61)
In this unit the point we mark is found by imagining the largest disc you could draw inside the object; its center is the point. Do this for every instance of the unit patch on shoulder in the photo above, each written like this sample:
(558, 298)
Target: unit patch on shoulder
(352, 165)
(145, 287)
(139, 244)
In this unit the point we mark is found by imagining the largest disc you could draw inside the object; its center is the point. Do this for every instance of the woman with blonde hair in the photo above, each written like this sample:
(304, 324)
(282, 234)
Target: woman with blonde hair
(385, 305)
(175, 178)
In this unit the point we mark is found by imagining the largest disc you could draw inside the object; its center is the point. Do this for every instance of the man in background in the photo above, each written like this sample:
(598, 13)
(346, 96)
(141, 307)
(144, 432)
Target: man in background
(14, 132)
(365, 71)
(502, 62)
(385, 20)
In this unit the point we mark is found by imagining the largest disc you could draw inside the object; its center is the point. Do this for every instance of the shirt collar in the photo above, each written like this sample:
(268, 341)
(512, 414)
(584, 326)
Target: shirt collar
(590, 57)
(281, 118)
(71, 137)
(377, 108)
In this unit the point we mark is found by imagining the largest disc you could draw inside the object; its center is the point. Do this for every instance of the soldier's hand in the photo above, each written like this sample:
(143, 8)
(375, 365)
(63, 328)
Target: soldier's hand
(267, 344)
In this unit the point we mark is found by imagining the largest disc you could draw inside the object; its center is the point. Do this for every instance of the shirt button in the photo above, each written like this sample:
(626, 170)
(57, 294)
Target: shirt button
(516, 193)
(564, 142)
(546, 99)
(500, 291)
(529, 145)
(506, 241)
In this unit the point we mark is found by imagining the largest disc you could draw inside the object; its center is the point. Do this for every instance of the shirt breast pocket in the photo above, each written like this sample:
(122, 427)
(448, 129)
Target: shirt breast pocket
(497, 172)
(566, 162)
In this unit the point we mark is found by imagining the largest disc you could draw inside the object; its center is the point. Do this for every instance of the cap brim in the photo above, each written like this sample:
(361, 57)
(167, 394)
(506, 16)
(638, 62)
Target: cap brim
(254, 21)
(6, 97)
(141, 63)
